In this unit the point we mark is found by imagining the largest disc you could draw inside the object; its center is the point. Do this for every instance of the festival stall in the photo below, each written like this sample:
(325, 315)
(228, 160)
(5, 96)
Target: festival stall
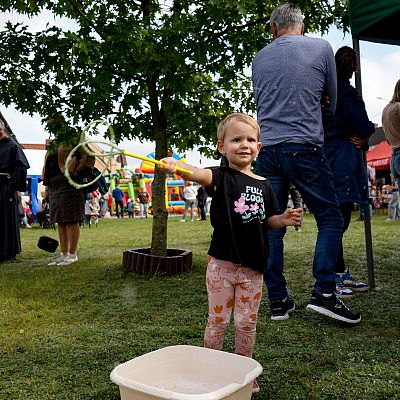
(379, 156)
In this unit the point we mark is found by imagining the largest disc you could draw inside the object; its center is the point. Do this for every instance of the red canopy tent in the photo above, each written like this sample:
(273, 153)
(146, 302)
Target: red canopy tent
(379, 156)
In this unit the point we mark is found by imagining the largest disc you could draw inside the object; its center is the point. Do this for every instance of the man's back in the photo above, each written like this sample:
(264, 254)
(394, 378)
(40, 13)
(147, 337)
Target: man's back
(290, 76)
(118, 194)
(190, 192)
(143, 197)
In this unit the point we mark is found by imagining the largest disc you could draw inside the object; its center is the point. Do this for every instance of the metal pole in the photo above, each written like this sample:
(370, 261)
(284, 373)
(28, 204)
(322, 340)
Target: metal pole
(367, 214)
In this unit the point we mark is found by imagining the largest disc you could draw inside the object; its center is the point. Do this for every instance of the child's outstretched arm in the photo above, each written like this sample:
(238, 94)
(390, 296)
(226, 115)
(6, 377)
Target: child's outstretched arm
(291, 217)
(200, 175)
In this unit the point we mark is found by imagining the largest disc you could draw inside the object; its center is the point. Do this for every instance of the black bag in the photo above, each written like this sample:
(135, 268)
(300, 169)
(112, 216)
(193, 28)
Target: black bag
(101, 182)
(88, 175)
(48, 244)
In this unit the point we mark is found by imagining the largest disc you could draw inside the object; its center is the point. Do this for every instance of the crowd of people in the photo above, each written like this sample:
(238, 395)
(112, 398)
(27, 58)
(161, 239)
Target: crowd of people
(309, 143)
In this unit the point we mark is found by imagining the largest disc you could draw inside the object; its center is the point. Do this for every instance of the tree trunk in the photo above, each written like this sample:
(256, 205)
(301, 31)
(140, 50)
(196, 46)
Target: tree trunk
(160, 215)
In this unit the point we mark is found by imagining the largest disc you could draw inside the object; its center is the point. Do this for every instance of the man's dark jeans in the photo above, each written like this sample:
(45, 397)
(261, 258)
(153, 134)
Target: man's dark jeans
(306, 167)
(119, 205)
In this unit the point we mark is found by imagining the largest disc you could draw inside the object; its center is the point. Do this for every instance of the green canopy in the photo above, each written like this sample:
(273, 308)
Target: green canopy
(375, 21)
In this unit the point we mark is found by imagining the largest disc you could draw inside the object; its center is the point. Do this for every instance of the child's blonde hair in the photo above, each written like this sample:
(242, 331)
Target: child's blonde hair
(236, 117)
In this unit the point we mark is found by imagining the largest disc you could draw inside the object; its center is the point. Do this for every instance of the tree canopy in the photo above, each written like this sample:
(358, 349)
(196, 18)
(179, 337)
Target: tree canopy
(148, 66)
(161, 70)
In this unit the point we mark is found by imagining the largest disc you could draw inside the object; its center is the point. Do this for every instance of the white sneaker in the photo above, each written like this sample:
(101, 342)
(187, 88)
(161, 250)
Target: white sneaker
(69, 259)
(59, 259)
(182, 220)
(343, 292)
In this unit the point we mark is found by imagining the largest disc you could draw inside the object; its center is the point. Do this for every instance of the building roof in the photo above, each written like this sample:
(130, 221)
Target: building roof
(36, 152)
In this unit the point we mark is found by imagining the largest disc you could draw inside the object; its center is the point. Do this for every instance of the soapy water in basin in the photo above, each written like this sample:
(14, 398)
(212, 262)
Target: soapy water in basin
(189, 387)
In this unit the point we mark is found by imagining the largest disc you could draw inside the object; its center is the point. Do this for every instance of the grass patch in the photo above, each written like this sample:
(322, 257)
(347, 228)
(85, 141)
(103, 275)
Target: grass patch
(63, 329)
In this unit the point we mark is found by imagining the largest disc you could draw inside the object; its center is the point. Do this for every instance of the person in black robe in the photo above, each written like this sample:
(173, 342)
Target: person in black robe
(13, 167)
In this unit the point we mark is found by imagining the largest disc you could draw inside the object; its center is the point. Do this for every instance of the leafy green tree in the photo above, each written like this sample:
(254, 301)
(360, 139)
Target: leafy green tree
(165, 71)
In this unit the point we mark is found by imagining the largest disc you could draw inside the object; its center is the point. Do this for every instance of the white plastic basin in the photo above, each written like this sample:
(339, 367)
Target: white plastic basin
(186, 373)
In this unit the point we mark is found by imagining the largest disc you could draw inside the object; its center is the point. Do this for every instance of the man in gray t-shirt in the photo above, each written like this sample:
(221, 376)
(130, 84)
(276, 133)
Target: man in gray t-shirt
(294, 81)
(290, 77)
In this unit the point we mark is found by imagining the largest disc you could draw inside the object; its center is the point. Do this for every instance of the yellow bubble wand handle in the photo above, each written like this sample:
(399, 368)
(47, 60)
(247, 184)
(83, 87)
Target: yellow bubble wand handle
(152, 160)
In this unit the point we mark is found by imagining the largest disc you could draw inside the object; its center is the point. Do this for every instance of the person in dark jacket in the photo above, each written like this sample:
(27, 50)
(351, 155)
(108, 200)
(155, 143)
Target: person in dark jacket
(13, 167)
(346, 135)
(118, 195)
(201, 202)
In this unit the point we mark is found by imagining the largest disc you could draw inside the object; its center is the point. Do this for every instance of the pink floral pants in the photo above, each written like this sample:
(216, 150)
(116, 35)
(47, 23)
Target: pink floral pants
(232, 288)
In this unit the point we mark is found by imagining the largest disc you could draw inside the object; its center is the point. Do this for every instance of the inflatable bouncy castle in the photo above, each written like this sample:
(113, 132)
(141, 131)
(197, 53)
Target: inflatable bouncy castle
(174, 185)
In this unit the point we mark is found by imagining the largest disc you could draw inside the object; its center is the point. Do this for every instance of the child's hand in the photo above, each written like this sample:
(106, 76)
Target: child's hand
(199, 175)
(170, 165)
(292, 217)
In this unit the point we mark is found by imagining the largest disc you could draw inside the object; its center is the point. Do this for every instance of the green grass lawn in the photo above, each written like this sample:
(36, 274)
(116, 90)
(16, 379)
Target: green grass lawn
(63, 329)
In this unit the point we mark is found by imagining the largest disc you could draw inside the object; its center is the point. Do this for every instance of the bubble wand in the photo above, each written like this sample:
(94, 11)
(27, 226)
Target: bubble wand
(114, 150)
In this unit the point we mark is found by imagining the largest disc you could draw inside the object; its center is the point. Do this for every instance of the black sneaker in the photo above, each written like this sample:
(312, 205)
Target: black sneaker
(280, 308)
(332, 307)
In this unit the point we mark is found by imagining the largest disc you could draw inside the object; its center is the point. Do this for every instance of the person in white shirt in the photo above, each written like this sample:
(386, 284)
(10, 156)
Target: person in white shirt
(190, 193)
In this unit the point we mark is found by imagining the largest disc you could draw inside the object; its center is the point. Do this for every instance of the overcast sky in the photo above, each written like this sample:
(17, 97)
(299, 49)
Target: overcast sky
(379, 68)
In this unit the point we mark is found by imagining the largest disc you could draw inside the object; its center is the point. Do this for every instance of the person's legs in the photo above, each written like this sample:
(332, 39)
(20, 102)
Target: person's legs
(187, 204)
(25, 221)
(341, 290)
(395, 170)
(345, 283)
(141, 207)
(73, 233)
(62, 230)
(346, 210)
(117, 208)
(397, 213)
(73, 236)
(248, 293)
(40, 217)
(309, 171)
(395, 166)
(274, 279)
(221, 299)
(122, 209)
(192, 207)
(201, 206)
(63, 235)
(208, 204)
(229, 287)
(307, 168)
(392, 206)
(362, 213)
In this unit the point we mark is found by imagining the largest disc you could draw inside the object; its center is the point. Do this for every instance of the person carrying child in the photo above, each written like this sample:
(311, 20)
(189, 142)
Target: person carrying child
(243, 208)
